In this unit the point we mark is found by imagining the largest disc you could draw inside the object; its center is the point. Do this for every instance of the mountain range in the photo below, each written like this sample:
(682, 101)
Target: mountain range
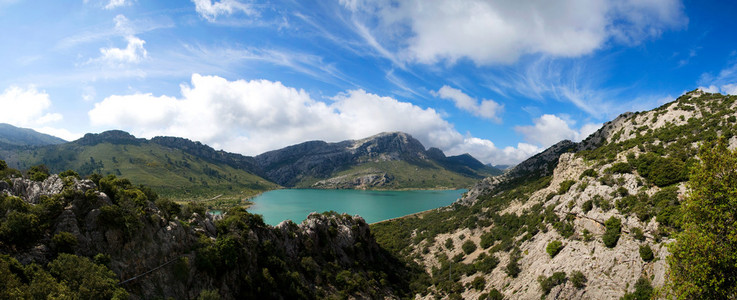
(182, 169)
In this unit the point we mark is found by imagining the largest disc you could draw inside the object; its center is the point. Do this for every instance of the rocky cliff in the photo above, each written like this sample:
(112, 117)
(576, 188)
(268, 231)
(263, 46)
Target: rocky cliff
(158, 249)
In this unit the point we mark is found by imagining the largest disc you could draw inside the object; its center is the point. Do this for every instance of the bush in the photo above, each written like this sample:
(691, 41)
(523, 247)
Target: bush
(449, 244)
(547, 284)
(643, 290)
(468, 247)
(613, 230)
(64, 242)
(565, 186)
(553, 248)
(209, 295)
(578, 279)
(38, 173)
(646, 253)
(494, 294)
(478, 283)
(638, 234)
(619, 168)
(587, 206)
(485, 264)
(86, 279)
(512, 268)
(589, 173)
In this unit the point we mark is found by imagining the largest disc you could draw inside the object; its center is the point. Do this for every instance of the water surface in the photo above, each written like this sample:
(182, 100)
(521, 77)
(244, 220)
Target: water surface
(373, 206)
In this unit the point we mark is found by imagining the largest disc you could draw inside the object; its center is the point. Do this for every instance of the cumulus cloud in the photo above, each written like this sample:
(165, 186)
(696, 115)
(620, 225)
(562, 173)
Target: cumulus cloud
(252, 117)
(485, 151)
(26, 107)
(491, 32)
(487, 109)
(550, 129)
(134, 52)
(211, 10)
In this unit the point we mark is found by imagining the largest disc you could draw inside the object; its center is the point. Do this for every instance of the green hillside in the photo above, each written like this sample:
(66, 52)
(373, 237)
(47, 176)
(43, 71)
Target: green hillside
(401, 175)
(170, 172)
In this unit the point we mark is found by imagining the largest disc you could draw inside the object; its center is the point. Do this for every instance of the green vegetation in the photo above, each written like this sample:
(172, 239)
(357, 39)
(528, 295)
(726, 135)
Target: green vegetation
(578, 279)
(565, 186)
(553, 248)
(404, 175)
(646, 253)
(613, 230)
(704, 256)
(643, 290)
(468, 247)
(172, 173)
(548, 283)
(68, 277)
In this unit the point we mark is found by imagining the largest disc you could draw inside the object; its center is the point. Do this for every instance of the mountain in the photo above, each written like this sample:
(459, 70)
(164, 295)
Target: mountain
(387, 160)
(186, 170)
(14, 136)
(174, 167)
(587, 220)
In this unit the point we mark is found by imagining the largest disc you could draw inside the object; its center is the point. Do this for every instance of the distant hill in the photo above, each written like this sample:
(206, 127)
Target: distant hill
(174, 167)
(183, 169)
(385, 161)
(15, 136)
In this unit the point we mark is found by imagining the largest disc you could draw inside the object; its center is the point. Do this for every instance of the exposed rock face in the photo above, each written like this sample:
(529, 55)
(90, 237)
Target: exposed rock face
(360, 181)
(31, 190)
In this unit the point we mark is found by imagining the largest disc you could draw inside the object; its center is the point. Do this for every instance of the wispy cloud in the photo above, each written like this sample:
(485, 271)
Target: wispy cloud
(212, 10)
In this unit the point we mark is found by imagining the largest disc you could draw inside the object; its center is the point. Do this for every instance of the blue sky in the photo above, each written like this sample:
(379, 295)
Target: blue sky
(501, 80)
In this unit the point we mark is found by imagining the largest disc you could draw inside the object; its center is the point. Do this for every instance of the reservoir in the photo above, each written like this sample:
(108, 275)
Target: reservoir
(373, 206)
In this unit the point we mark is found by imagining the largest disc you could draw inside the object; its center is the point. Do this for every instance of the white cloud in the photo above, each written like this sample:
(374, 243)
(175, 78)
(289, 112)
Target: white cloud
(26, 107)
(116, 3)
(252, 117)
(730, 89)
(134, 52)
(710, 89)
(485, 151)
(491, 32)
(60, 133)
(486, 109)
(211, 10)
(550, 129)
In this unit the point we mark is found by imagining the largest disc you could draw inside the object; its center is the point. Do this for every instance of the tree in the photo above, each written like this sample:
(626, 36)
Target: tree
(703, 261)
(613, 230)
(553, 248)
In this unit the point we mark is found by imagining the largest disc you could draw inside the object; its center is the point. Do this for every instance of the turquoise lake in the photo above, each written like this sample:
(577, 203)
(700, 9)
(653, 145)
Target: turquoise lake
(373, 206)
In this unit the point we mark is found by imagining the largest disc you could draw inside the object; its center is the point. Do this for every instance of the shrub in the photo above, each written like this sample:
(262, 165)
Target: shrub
(512, 269)
(589, 173)
(38, 173)
(86, 279)
(485, 264)
(578, 279)
(547, 284)
(602, 203)
(553, 248)
(64, 242)
(468, 247)
(643, 290)
(613, 230)
(646, 253)
(565, 186)
(619, 168)
(209, 295)
(587, 206)
(478, 283)
(449, 244)
(638, 234)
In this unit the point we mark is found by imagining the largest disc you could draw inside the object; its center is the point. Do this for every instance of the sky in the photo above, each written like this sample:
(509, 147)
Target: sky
(501, 80)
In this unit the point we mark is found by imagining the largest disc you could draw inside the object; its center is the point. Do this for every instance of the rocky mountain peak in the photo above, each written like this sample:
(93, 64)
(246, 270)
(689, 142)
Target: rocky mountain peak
(390, 146)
